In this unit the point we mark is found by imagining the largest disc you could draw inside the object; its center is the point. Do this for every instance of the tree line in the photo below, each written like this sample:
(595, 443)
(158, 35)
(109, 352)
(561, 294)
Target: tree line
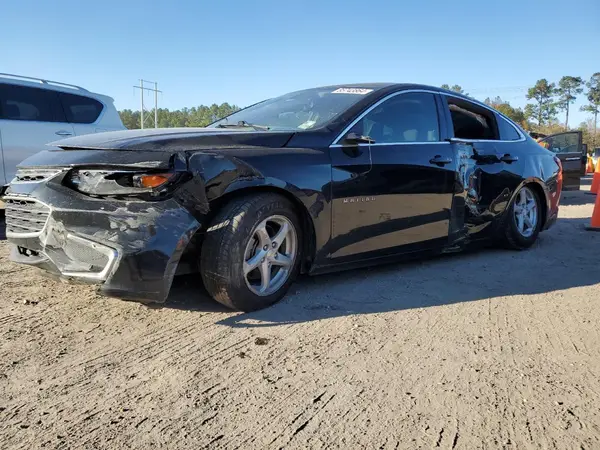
(548, 100)
(199, 116)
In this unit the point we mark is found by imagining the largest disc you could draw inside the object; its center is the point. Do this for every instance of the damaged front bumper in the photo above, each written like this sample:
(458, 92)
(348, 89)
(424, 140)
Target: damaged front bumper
(131, 249)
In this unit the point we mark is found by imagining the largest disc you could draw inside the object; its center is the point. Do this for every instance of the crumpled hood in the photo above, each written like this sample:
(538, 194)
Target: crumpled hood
(176, 139)
(98, 157)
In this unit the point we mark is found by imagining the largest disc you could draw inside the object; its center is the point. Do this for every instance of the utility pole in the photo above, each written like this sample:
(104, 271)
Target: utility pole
(155, 104)
(142, 108)
(156, 91)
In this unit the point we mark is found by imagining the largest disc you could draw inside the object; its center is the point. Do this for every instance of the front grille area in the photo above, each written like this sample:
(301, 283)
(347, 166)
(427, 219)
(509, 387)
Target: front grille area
(34, 175)
(25, 216)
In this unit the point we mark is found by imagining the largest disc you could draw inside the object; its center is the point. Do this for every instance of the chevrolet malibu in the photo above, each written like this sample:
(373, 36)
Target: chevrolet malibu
(312, 181)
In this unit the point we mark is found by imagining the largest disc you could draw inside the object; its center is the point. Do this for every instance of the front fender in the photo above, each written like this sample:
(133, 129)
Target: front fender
(302, 175)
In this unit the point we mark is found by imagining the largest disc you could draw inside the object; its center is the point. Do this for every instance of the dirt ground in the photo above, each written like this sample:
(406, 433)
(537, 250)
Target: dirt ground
(491, 349)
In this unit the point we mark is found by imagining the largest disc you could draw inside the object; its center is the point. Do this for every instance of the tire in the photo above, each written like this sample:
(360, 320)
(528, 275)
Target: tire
(513, 235)
(236, 240)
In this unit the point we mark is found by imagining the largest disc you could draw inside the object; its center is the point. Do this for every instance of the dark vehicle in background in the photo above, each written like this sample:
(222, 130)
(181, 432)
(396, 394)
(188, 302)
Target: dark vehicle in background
(569, 148)
(313, 181)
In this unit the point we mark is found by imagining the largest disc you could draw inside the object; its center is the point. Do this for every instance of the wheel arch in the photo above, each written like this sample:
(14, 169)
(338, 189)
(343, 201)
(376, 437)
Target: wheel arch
(235, 191)
(541, 191)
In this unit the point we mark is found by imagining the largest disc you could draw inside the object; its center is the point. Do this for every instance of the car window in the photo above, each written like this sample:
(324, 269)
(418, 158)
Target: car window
(563, 143)
(29, 104)
(410, 117)
(79, 109)
(507, 130)
(471, 121)
(301, 110)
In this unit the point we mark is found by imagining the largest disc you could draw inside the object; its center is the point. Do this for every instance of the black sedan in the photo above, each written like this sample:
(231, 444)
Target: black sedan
(312, 181)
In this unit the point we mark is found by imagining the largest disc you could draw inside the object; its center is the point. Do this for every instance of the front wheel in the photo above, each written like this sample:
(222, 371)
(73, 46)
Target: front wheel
(251, 252)
(523, 222)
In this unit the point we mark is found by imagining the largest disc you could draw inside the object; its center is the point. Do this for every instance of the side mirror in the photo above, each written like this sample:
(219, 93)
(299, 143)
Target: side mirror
(355, 139)
(350, 144)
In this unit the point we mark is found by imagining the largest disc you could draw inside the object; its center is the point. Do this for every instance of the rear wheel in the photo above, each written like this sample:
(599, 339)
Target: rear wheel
(251, 252)
(523, 222)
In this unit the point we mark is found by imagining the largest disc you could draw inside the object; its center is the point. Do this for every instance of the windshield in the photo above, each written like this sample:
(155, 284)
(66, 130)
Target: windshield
(301, 110)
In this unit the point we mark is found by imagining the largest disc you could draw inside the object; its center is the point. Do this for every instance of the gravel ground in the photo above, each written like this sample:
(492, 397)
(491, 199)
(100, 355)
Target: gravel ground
(490, 349)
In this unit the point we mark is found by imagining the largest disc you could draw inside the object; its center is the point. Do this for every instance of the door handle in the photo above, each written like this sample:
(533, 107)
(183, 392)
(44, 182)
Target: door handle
(440, 160)
(576, 158)
(507, 158)
(64, 133)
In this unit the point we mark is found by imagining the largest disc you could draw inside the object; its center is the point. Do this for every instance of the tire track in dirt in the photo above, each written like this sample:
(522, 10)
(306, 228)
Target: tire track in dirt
(113, 397)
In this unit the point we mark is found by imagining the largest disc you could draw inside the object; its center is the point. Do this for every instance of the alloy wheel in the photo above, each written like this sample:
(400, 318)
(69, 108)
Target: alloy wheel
(270, 255)
(526, 212)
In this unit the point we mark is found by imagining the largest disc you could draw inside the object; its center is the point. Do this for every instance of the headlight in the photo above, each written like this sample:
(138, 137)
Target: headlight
(108, 182)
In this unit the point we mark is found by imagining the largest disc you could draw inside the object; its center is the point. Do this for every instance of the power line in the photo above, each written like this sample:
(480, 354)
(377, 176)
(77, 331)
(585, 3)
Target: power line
(156, 91)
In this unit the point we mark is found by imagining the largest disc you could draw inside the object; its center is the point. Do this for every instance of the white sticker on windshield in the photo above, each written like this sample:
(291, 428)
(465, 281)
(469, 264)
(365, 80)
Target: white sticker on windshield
(306, 125)
(356, 91)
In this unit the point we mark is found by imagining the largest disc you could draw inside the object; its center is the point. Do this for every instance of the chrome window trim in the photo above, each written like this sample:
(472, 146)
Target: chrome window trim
(384, 144)
(33, 234)
(336, 143)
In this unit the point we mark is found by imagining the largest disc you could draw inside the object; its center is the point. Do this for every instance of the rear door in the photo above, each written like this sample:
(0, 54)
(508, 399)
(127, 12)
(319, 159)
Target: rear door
(568, 147)
(488, 165)
(30, 118)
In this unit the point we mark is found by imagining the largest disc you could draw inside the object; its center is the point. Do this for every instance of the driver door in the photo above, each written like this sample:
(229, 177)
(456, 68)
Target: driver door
(392, 195)
(569, 148)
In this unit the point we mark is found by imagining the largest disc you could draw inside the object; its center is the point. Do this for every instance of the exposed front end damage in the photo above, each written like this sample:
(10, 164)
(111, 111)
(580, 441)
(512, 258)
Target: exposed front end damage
(130, 248)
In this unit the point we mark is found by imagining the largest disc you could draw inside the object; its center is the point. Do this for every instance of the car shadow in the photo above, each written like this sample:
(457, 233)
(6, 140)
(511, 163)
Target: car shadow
(188, 293)
(561, 259)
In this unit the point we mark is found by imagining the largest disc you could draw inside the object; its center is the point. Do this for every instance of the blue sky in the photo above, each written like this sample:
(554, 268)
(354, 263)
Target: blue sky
(204, 52)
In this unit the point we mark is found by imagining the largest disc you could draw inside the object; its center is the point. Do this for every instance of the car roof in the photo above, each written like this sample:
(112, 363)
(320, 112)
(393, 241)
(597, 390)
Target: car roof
(393, 86)
(383, 85)
(58, 86)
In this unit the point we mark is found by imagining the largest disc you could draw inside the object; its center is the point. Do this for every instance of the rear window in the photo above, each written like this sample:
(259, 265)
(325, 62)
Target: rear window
(507, 131)
(471, 121)
(79, 109)
(29, 104)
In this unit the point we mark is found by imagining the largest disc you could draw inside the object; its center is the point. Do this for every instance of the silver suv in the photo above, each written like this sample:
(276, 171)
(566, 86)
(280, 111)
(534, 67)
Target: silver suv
(35, 112)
